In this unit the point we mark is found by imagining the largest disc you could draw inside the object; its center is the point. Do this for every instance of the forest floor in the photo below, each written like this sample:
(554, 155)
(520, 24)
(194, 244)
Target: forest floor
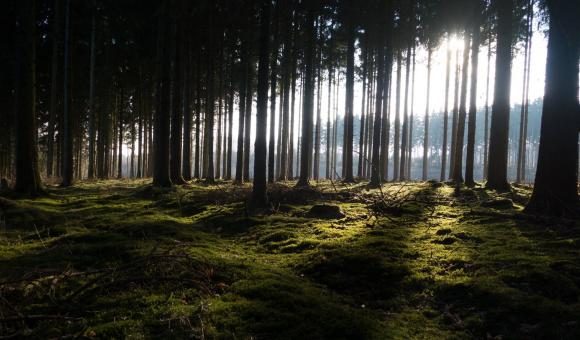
(117, 259)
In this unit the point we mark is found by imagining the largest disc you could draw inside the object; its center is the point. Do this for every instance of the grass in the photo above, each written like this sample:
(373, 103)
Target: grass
(117, 259)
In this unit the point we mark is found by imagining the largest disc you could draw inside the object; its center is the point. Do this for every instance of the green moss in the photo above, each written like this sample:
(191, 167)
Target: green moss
(120, 259)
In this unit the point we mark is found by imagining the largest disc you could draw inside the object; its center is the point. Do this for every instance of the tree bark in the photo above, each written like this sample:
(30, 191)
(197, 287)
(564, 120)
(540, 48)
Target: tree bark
(471, 124)
(556, 185)
(308, 98)
(259, 194)
(27, 174)
(498, 146)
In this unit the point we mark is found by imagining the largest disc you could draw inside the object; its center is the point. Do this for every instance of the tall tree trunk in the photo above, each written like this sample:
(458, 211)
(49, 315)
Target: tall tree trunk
(317, 132)
(248, 118)
(209, 117)
(457, 174)
(259, 195)
(328, 113)
(308, 98)
(27, 174)
(292, 110)
(53, 88)
(426, 119)
(273, 85)
(160, 161)
(187, 109)
(397, 135)
(230, 121)
(498, 146)
(486, 118)
(67, 152)
(177, 105)
(386, 130)
(446, 112)
(556, 186)
(405, 131)
(91, 104)
(286, 70)
(455, 116)
(349, 109)
(521, 168)
(365, 62)
(379, 99)
(411, 118)
(241, 113)
(470, 157)
(120, 131)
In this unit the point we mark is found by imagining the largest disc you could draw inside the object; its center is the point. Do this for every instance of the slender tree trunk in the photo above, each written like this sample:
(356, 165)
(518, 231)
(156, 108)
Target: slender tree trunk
(411, 118)
(556, 186)
(259, 196)
(241, 114)
(365, 63)
(308, 97)
(187, 119)
(27, 174)
(446, 113)
(386, 130)
(248, 119)
(426, 119)
(379, 100)
(471, 125)
(53, 88)
(209, 118)
(160, 161)
(67, 152)
(273, 85)
(405, 131)
(120, 131)
(91, 105)
(329, 114)
(349, 113)
(230, 122)
(317, 132)
(457, 174)
(397, 137)
(486, 118)
(286, 69)
(455, 116)
(292, 113)
(177, 109)
(521, 168)
(498, 147)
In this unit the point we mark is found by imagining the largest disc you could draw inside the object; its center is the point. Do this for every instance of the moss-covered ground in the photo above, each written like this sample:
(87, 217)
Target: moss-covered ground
(118, 259)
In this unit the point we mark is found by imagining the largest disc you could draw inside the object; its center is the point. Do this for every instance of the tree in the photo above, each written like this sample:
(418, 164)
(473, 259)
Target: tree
(308, 97)
(177, 103)
(91, 104)
(426, 119)
(446, 112)
(349, 105)
(53, 87)
(379, 100)
(259, 194)
(498, 144)
(161, 122)
(67, 152)
(27, 174)
(555, 190)
(470, 156)
(457, 174)
(273, 84)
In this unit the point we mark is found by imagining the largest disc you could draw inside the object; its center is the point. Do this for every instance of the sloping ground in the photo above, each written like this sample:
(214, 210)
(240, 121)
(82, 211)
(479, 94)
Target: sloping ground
(117, 259)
